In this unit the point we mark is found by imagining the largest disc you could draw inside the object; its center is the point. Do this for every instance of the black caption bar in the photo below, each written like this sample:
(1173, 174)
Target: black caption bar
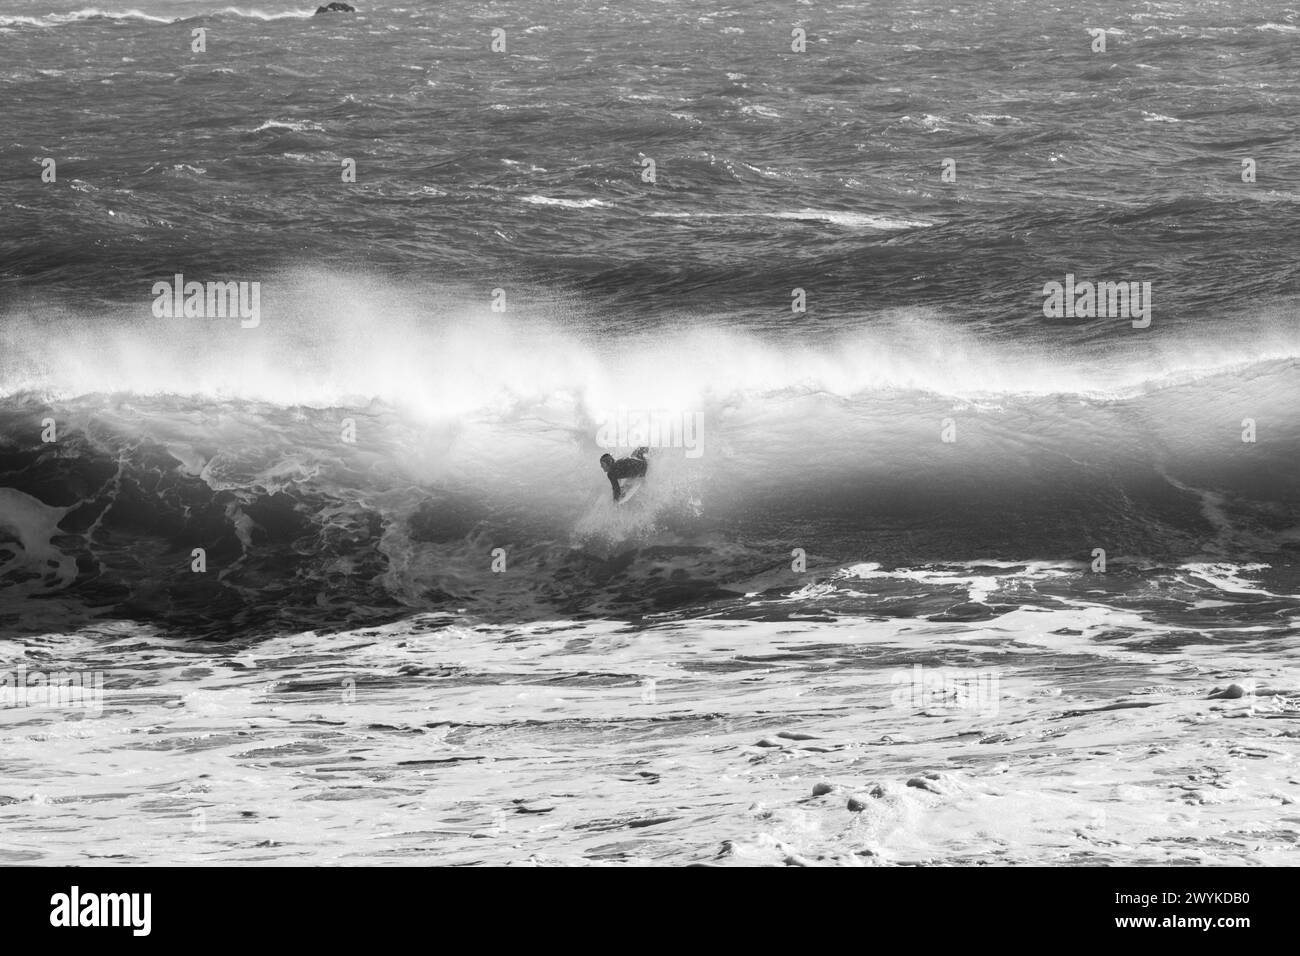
(299, 906)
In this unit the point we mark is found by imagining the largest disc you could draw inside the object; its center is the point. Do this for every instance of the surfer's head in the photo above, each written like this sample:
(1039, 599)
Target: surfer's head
(606, 460)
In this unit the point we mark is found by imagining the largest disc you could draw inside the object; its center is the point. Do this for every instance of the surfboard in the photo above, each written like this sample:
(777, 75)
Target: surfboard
(630, 488)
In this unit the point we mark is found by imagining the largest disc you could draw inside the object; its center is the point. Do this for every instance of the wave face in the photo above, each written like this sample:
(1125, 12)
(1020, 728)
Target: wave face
(367, 450)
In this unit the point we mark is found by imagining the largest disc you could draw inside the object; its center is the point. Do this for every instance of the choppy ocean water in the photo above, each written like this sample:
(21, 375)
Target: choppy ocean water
(424, 633)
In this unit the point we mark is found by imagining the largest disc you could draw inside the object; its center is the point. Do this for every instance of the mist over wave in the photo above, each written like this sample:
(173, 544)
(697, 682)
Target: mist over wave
(441, 351)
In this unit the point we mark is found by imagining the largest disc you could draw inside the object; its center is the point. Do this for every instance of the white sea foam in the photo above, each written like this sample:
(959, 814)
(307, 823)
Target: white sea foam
(565, 203)
(936, 782)
(255, 14)
(89, 13)
(298, 126)
(838, 217)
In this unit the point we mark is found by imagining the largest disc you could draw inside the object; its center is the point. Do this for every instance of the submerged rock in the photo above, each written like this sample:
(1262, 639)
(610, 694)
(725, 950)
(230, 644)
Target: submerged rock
(335, 8)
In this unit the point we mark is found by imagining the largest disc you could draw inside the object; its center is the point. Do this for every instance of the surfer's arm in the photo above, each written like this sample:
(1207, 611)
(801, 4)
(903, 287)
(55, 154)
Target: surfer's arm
(613, 483)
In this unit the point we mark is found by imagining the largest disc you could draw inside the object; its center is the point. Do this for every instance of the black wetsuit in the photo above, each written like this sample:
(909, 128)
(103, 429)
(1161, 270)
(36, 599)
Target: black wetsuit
(632, 467)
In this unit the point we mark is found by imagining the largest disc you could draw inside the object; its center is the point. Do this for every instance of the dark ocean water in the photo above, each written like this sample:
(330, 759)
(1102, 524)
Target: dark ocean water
(522, 171)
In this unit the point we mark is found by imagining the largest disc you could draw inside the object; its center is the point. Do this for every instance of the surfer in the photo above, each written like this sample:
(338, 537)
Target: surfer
(634, 466)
